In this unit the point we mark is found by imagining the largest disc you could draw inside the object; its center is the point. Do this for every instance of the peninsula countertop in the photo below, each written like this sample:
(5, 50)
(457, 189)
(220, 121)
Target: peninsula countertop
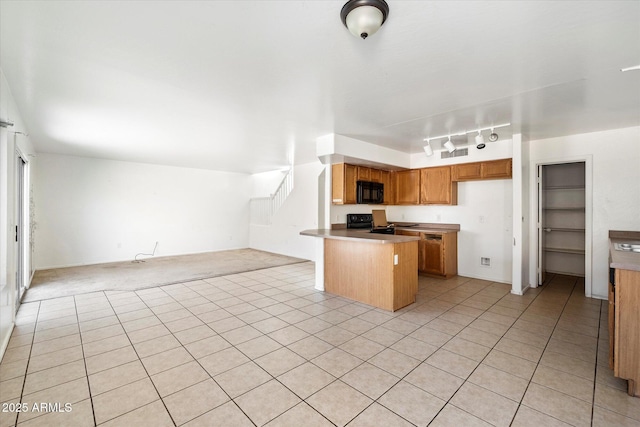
(625, 260)
(362, 235)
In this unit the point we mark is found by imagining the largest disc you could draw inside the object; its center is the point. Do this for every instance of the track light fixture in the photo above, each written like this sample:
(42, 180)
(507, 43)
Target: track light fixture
(493, 137)
(480, 144)
(449, 145)
(428, 150)
(364, 17)
(480, 141)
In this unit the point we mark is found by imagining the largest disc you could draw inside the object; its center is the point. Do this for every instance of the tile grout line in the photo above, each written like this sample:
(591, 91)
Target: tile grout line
(84, 361)
(26, 370)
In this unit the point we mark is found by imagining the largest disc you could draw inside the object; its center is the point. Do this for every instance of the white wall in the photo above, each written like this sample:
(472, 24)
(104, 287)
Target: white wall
(521, 217)
(299, 212)
(9, 143)
(616, 192)
(93, 211)
(484, 212)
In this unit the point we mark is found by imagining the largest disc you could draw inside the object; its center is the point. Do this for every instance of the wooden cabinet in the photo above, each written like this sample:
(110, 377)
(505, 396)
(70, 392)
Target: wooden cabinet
(625, 337)
(407, 187)
(433, 262)
(376, 175)
(428, 186)
(612, 322)
(437, 252)
(366, 272)
(387, 182)
(364, 174)
(494, 169)
(343, 184)
(467, 171)
(436, 187)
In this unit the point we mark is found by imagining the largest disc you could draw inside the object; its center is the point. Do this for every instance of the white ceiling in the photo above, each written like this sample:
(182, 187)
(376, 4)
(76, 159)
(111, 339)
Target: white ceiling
(245, 85)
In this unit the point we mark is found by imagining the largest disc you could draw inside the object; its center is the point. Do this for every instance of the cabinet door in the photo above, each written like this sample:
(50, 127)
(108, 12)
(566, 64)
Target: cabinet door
(422, 255)
(436, 187)
(496, 169)
(408, 187)
(433, 262)
(350, 184)
(364, 174)
(388, 187)
(343, 184)
(376, 175)
(467, 171)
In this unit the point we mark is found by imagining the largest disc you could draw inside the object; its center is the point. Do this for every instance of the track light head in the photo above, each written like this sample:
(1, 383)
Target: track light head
(493, 137)
(428, 150)
(449, 146)
(480, 141)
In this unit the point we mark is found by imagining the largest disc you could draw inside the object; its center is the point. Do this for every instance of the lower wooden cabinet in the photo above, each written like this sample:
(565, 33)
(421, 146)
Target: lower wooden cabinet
(625, 339)
(437, 252)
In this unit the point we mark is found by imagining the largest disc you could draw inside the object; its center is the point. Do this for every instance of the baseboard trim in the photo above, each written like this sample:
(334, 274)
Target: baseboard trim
(5, 341)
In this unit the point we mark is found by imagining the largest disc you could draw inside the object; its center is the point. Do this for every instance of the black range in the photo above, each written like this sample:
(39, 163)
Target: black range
(365, 221)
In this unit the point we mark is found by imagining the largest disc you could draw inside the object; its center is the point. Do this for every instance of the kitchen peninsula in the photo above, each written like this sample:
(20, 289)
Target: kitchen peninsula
(377, 269)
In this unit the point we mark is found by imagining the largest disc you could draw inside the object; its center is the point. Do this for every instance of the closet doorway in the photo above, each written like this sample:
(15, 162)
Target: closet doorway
(564, 236)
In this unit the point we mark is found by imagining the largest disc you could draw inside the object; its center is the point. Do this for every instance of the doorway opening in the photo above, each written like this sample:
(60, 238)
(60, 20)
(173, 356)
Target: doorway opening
(564, 222)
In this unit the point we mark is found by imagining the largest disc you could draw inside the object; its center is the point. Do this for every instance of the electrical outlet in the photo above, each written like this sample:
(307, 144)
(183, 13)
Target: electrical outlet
(481, 218)
(402, 216)
(395, 259)
(438, 217)
(485, 261)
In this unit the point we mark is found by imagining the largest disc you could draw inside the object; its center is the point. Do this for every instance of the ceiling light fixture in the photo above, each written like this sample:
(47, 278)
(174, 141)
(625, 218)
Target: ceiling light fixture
(479, 138)
(364, 17)
(493, 137)
(634, 68)
(449, 145)
(480, 141)
(428, 150)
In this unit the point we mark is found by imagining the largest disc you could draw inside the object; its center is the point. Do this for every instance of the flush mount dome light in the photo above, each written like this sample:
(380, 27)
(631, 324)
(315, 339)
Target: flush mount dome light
(364, 17)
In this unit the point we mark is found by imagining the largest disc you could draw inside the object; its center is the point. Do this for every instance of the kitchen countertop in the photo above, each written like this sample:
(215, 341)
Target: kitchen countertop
(622, 259)
(363, 235)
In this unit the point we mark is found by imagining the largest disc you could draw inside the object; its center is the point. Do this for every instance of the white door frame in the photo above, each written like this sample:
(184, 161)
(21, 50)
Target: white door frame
(588, 211)
(21, 217)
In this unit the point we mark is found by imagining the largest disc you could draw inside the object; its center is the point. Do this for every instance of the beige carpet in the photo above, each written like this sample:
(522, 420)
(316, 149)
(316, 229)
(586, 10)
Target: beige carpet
(127, 275)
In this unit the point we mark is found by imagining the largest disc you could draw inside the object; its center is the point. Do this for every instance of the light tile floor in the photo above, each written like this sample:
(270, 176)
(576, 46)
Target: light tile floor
(265, 348)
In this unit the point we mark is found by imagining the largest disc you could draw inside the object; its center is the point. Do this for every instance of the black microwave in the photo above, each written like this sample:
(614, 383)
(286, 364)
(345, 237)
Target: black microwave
(369, 192)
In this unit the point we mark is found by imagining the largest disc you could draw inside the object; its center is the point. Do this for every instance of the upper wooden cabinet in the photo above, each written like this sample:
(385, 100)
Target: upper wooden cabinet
(436, 187)
(364, 174)
(467, 171)
(494, 169)
(376, 175)
(407, 188)
(427, 186)
(389, 193)
(343, 184)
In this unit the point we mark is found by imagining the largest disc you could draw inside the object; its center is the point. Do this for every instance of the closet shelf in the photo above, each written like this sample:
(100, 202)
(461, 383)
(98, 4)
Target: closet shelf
(569, 230)
(565, 250)
(564, 187)
(564, 209)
